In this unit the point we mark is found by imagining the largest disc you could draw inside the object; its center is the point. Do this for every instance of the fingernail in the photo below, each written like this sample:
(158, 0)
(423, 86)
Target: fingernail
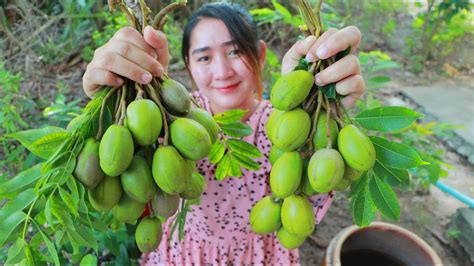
(309, 57)
(119, 81)
(318, 80)
(322, 52)
(160, 70)
(146, 77)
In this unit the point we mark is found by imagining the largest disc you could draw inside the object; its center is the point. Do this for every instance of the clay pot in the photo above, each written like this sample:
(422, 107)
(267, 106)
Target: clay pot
(379, 244)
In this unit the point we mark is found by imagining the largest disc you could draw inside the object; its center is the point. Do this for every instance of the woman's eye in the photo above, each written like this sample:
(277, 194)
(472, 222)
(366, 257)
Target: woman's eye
(234, 52)
(203, 59)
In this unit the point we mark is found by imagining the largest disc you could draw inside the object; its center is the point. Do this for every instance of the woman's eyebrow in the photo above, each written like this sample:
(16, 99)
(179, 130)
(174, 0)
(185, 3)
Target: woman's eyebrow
(205, 48)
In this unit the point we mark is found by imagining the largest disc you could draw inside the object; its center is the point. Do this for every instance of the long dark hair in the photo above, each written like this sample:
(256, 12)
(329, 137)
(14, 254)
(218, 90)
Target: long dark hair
(241, 27)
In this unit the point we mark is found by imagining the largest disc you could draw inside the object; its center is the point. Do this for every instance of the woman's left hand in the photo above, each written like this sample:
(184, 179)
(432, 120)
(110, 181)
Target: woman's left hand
(345, 72)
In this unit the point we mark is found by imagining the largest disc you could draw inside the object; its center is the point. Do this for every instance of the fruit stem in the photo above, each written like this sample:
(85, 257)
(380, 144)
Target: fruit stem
(154, 97)
(130, 18)
(328, 117)
(145, 12)
(101, 117)
(140, 91)
(123, 105)
(159, 19)
(315, 120)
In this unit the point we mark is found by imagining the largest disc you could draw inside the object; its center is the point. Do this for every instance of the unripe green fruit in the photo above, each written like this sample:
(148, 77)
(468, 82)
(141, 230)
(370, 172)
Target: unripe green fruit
(190, 138)
(165, 205)
(87, 169)
(305, 186)
(194, 189)
(356, 148)
(291, 129)
(169, 170)
(148, 234)
(175, 97)
(265, 216)
(342, 185)
(288, 240)
(297, 216)
(116, 150)
(137, 180)
(274, 154)
(127, 210)
(351, 174)
(291, 89)
(271, 123)
(144, 121)
(320, 140)
(325, 170)
(106, 194)
(285, 176)
(205, 119)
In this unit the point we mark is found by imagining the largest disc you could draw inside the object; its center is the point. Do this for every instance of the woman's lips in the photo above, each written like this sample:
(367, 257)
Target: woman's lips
(227, 89)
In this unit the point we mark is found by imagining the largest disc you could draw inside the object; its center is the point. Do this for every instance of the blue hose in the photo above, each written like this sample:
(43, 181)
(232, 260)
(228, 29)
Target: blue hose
(458, 195)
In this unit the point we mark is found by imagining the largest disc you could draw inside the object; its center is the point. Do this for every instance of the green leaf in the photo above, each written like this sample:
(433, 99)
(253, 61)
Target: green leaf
(68, 200)
(395, 177)
(47, 211)
(387, 118)
(216, 152)
(246, 162)
(88, 235)
(47, 145)
(358, 185)
(88, 260)
(234, 166)
(51, 248)
(396, 155)
(302, 64)
(236, 129)
(28, 137)
(329, 90)
(16, 252)
(22, 181)
(384, 198)
(230, 116)
(8, 225)
(363, 208)
(379, 80)
(244, 148)
(223, 167)
(18, 203)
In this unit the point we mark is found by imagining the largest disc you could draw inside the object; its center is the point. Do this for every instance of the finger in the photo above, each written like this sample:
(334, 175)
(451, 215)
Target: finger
(311, 54)
(347, 66)
(122, 66)
(131, 35)
(339, 41)
(294, 54)
(352, 88)
(159, 42)
(94, 78)
(136, 55)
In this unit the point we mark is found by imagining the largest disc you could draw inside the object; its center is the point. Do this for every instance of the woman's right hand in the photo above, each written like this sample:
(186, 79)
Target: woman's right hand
(127, 54)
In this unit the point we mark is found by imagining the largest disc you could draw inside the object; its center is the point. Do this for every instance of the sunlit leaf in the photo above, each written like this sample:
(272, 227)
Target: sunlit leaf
(9, 224)
(230, 116)
(396, 155)
(384, 198)
(236, 129)
(395, 177)
(387, 118)
(22, 181)
(217, 152)
(223, 168)
(244, 148)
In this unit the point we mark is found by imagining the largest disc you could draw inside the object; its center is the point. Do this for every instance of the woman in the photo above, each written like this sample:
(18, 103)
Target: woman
(225, 58)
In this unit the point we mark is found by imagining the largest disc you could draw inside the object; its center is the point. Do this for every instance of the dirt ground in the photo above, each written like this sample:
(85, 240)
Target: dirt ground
(427, 214)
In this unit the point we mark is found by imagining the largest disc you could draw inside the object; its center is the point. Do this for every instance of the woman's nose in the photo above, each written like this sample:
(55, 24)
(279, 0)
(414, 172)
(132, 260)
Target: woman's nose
(222, 69)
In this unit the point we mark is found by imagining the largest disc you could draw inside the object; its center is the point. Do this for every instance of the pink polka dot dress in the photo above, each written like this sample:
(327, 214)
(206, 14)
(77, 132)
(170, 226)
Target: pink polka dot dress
(218, 231)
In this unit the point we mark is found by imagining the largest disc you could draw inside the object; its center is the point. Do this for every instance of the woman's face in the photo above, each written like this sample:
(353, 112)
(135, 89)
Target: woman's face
(218, 69)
